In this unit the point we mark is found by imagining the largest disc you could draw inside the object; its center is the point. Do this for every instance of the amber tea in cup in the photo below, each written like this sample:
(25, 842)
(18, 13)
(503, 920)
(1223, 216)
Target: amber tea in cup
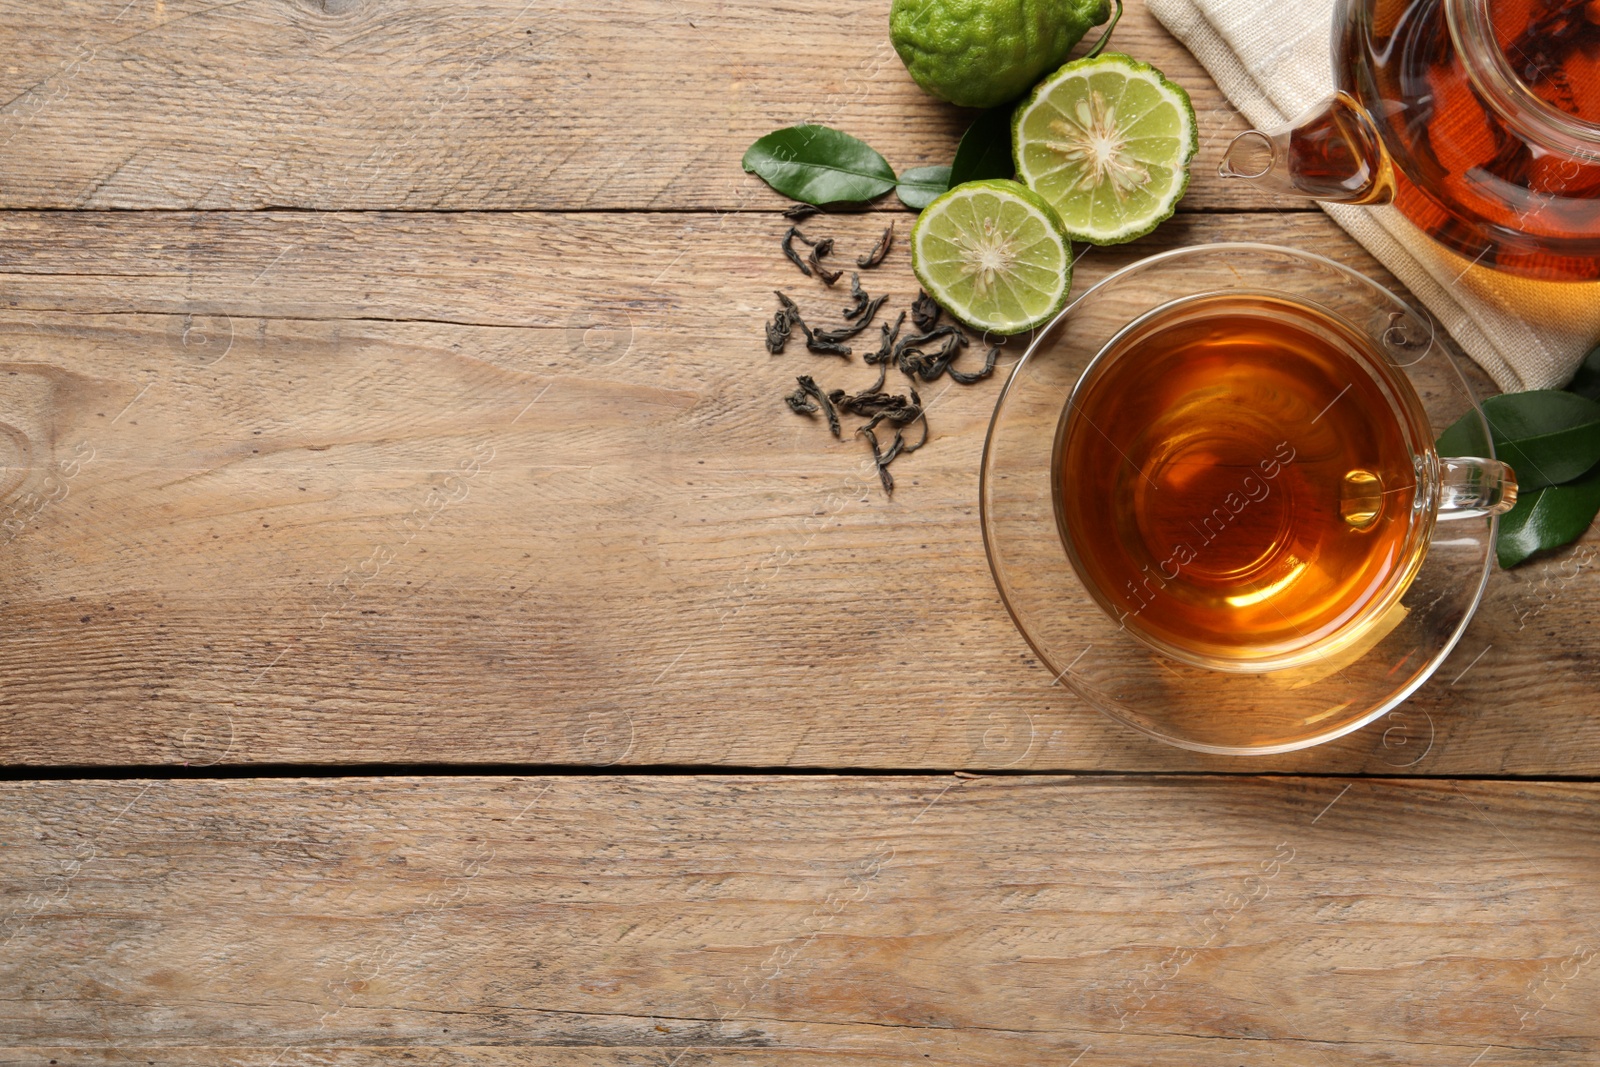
(1236, 481)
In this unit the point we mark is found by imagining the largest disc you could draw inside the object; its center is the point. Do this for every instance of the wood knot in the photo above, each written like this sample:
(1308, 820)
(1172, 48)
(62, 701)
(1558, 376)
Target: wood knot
(338, 9)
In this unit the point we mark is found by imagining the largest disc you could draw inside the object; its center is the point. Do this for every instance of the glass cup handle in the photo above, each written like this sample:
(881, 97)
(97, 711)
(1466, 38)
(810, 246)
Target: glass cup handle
(1470, 488)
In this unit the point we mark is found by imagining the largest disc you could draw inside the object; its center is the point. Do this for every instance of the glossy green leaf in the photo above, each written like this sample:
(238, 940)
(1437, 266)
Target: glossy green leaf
(1548, 518)
(921, 186)
(1549, 436)
(1586, 382)
(1464, 438)
(985, 149)
(819, 165)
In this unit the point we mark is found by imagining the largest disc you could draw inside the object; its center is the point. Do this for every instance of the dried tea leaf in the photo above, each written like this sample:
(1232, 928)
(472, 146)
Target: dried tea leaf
(828, 276)
(788, 250)
(845, 332)
(966, 378)
(885, 352)
(800, 402)
(786, 318)
(858, 297)
(880, 250)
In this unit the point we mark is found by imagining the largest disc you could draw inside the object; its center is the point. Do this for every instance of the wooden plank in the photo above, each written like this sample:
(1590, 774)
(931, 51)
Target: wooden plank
(896, 920)
(489, 488)
(470, 105)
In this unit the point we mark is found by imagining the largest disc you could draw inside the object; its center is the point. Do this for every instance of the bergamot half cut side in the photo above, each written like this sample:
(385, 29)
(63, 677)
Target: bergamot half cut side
(1107, 142)
(993, 254)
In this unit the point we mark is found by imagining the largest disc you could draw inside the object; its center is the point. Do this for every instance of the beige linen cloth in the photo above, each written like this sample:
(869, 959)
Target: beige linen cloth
(1273, 59)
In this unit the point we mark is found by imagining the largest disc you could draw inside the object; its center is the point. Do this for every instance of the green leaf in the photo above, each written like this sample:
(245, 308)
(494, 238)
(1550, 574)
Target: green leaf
(819, 165)
(1548, 436)
(920, 186)
(1548, 518)
(985, 149)
(1586, 382)
(1465, 437)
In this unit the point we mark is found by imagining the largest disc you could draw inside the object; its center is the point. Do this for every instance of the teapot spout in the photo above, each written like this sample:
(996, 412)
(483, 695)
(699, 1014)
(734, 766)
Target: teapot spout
(1332, 152)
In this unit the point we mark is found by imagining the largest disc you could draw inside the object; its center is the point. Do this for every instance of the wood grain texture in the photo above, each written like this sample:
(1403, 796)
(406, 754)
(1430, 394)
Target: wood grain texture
(481, 461)
(898, 920)
(488, 104)
(373, 487)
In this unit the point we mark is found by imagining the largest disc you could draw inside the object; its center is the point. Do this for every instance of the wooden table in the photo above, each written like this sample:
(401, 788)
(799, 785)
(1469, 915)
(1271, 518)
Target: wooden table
(430, 639)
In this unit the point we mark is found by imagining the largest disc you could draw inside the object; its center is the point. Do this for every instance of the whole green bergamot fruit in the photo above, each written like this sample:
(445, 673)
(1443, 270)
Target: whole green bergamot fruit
(982, 53)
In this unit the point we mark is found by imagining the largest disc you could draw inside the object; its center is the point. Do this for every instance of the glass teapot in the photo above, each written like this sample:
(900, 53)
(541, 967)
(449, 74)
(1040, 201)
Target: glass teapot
(1478, 119)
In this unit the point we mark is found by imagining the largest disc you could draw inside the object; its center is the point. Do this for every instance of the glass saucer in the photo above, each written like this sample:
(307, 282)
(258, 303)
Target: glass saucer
(1084, 649)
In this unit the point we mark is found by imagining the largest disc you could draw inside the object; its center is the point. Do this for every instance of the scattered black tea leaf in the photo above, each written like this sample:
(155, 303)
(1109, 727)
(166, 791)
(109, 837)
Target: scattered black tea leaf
(879, 251)
(912, 342)
(922, 414)
(777, 333)
(822, 246)
(928, 366)
(900, 415)
(885, 351)
(801, 211)
(800, 402)
(914, 361)
(858, 297)
(988, 368)
(927, 353)
(846, 332)
(883, 373)
(824, 347)
(828, 276)
(788, 317)
(783, 321)
(882, 459)
(788, 249)
(869, 403)
(821, 345)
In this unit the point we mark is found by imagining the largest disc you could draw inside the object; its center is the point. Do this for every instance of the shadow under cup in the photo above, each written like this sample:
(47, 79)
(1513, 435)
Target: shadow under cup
(1209, 499)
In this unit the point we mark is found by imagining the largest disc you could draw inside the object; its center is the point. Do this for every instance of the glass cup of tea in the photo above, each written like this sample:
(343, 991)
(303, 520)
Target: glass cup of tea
(1213, 504)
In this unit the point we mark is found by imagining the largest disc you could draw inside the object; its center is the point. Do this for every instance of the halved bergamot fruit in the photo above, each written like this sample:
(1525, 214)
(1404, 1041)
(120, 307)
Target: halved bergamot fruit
(1107, 142)
(992, 253)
